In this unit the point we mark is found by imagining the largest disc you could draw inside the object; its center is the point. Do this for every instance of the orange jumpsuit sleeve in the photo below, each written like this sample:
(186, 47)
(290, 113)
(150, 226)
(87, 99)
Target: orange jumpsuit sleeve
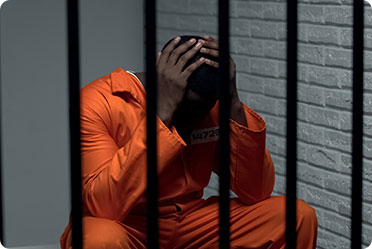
(251, 167)
(113, 178)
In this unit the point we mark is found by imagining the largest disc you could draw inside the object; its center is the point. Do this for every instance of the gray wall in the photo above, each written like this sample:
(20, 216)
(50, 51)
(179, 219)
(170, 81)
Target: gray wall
(34, 102)
(258, 43)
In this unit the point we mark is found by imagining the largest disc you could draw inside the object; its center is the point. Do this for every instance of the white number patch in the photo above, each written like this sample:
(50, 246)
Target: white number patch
(205, 135)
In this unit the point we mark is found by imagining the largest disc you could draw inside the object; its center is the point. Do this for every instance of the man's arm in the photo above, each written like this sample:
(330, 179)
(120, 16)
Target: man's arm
(114, 178)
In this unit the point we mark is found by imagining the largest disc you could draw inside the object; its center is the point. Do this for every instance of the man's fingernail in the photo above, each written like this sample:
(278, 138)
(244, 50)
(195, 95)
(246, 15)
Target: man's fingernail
(192, 40)
(198, 45)
(203, 50)
(202, 59)
(177, 39)
(205, 36)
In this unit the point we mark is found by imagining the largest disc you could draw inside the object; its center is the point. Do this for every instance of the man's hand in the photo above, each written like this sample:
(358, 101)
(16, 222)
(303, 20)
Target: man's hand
(211, 47)
(172, 80)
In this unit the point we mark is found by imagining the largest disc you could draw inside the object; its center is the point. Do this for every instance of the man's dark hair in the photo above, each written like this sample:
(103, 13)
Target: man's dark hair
(204, 79)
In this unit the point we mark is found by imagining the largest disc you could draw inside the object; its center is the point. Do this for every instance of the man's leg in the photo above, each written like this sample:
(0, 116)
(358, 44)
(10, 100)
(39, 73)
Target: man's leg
(261, 225)
(103, 233)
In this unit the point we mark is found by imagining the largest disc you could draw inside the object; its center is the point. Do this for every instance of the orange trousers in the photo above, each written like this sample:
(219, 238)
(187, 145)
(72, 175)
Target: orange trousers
(261, 225)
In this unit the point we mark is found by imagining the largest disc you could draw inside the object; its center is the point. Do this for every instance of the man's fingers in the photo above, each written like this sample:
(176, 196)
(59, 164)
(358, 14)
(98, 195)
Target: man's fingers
(188, 55)
(210, 42)
(212, 63)
(158, 57)
(190, 69)
(175, 54)
(167, 50)
(209, 51)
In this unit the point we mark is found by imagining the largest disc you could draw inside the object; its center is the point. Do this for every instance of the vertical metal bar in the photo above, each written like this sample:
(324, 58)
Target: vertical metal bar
(74, 119)
(151, 107)
(291, 184)
(357, 125)
(224, 114)
(1, 151)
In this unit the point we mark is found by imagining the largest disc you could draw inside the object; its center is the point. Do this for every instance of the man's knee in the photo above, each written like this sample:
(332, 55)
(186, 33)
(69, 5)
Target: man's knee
(101, 233)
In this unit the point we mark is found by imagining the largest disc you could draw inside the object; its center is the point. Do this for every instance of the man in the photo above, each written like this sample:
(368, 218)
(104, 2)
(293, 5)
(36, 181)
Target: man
(113, 130)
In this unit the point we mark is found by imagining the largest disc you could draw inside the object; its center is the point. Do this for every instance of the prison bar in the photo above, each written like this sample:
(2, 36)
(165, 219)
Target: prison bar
(291, 152)
(74, 121)
(224, 124)
(1, 153)
(357, 124)
(151, 111)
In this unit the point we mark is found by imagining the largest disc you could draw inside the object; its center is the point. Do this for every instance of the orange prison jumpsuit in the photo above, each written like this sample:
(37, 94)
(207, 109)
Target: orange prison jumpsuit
(113, 130)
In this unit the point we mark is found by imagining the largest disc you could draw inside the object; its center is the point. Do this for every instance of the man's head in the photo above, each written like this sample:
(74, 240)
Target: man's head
(201, 92)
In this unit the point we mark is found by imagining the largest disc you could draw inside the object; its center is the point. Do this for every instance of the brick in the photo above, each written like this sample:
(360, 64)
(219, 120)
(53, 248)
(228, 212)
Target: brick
(174, 6)
(276, 145)
(260, 29)
(328, 240)
(205, 7)
(279, 186)
(367, 171)
(302, 154)
(249, 9)
(282, 31)
(322, 198)
(324, 117)
(345, 167)
(330, 77)
(338, 15)
(367, 125)
(323, 157)
(276, 125)
(338, 140)
(334, 2)
(310, 13)
(345, 121)
(367, 103)
(338, 99)
(311, 94)
(165, 20)
(242, 63)
(302, 32)
(337, 224)
(311, 53)
(368, 81)
(302, 72)
(250, 83)
(264, 67)
(367, 147)
(366, 235)
(323, 35)
(275, 88)
(282, 70)
(367, 60)
(338, 57)
(310, 133)
(302, 112)
(274, 49)
(240, 27)
(367, 191)
(279, 164)
(310, 174)
(367, 214)
(261, 103)
(274, 11)
(281, 108)
(247, 46)
(338, 183)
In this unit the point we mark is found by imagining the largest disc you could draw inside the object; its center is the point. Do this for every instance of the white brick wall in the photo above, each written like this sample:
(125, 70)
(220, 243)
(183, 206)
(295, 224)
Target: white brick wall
(258, 43)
